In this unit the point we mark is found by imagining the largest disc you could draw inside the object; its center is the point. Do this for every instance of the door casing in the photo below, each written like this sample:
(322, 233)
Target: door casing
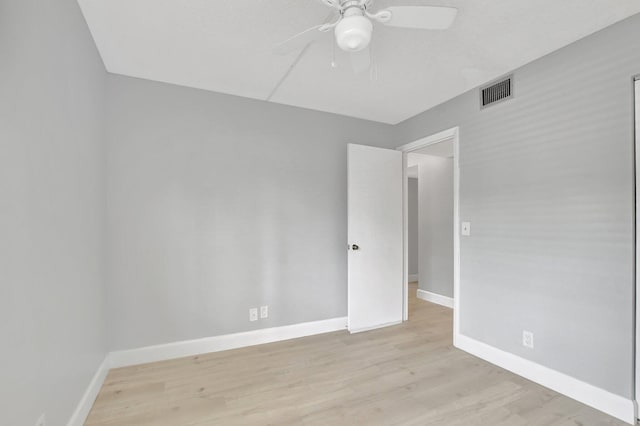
(444, 136)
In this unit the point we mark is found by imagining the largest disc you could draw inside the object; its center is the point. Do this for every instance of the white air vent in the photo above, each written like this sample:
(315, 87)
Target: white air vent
(496, 91)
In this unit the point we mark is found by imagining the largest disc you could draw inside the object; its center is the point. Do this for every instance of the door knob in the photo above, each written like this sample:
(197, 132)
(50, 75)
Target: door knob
(355, 247)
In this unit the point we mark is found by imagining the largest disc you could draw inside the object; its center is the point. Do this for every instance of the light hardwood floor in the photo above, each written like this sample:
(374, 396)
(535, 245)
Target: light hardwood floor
(404, 375)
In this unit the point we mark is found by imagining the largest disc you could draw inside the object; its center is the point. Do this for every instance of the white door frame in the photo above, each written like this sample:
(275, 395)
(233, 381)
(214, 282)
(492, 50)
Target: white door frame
(449, 134)
(636, 142)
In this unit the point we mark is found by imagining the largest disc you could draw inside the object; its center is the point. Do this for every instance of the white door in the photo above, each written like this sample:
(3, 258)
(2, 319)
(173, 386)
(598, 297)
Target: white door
(375, 237)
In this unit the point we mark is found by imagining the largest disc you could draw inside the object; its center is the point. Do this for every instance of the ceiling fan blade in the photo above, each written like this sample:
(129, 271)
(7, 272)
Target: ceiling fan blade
(420, 17)
(332, 3)
(361, 61)
(301, 40)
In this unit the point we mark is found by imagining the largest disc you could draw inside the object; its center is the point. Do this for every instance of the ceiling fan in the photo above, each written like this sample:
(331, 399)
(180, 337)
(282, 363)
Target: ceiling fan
(353, 27)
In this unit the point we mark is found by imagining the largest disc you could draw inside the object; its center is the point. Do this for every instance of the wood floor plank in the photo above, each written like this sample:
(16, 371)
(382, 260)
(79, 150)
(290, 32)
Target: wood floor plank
(408, 374)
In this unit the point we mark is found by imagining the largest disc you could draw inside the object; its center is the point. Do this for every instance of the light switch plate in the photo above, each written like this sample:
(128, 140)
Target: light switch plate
(466, 229)
(264, 311)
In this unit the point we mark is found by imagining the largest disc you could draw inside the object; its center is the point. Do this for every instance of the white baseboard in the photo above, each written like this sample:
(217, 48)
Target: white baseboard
(194, 347)
(412, 278)
(435, 298)
(600, 399)
(221, 343)
(81, 412)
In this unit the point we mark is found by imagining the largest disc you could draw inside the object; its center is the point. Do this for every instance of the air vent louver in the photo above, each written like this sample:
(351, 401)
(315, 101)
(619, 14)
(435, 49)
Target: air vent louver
(496, 92)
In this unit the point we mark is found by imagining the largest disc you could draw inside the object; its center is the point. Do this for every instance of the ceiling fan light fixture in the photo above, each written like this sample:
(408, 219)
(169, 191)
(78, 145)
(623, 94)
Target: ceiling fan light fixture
(353, 33)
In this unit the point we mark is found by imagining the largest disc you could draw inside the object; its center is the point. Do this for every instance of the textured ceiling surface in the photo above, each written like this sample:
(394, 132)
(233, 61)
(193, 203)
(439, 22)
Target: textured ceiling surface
(225, 46)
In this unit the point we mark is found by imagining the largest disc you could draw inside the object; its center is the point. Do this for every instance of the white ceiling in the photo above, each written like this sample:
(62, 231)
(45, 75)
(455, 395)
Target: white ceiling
(225, 46)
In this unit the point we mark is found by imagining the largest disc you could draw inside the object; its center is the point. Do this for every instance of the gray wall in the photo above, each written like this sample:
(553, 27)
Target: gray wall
(51, 210)
(547, 183)
(435, 177)
(414, 229)
(218, 204)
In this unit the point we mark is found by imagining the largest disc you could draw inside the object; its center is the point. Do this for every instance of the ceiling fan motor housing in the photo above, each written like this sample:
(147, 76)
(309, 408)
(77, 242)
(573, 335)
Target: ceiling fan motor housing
(353, 32)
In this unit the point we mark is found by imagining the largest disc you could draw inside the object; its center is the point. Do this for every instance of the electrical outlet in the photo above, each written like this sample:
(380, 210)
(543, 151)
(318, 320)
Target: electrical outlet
(253, 314)
(264, 311)
(41, 421)
(527, 339)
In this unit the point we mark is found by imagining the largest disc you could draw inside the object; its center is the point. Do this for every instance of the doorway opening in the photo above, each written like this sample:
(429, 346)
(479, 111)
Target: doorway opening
(431, 218)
